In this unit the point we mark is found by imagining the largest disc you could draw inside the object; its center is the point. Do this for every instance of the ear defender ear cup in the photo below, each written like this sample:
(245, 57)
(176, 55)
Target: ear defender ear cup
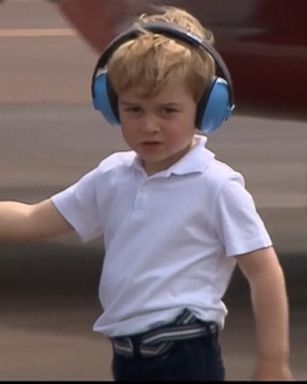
(104, 99)
(215, 106)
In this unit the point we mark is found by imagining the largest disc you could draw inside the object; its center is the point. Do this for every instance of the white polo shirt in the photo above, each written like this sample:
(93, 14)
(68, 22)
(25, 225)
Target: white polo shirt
(169, 238)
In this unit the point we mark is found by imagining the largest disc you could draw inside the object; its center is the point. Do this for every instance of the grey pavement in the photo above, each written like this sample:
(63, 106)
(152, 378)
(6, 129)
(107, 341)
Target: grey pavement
(49, 137)
(49, 303)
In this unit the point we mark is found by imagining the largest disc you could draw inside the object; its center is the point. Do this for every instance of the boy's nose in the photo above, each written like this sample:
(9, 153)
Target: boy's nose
(150, 126)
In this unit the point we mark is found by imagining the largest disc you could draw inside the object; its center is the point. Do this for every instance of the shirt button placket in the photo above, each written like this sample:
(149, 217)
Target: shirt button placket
(140, 198)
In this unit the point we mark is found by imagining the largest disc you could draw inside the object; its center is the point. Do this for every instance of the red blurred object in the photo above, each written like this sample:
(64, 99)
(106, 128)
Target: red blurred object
(263, 42)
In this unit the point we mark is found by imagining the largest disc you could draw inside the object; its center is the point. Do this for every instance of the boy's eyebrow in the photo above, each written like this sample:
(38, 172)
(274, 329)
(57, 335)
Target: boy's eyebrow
(128, 103)
(168, 104)
(172, 104)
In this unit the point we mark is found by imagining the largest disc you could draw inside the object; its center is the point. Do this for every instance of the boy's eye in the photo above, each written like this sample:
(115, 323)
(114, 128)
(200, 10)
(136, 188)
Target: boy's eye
(170, 110)
(133, 109)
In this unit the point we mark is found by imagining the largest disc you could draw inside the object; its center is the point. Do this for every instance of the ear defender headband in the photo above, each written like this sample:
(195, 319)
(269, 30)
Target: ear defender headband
(216, 104)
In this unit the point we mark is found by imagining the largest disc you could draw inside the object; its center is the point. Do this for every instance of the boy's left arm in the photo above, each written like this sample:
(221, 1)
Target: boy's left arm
(270, 307)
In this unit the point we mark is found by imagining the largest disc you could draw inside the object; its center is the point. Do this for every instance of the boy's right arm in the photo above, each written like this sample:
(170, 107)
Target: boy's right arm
(27, 222)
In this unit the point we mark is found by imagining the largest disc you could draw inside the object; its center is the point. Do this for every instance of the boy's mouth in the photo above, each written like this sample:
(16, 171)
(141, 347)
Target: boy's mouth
(151, 143)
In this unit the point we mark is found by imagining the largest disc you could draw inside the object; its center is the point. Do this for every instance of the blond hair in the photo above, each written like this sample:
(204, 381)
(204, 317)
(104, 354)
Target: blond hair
(150, 61)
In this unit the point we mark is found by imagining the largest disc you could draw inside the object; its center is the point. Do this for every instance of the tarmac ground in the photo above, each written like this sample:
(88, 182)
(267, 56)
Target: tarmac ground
(49, 303)
(49, 137)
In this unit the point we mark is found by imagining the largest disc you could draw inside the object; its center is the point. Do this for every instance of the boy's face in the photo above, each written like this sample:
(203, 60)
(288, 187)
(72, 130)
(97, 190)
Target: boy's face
(160, 129)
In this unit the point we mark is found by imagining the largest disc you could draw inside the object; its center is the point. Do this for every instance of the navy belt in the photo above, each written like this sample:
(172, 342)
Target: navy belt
(158, 341)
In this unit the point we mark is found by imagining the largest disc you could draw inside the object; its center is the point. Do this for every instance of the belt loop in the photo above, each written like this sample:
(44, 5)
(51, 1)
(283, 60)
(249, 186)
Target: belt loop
(123, 346)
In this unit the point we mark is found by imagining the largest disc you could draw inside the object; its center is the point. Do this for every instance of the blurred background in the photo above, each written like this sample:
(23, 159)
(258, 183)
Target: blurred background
(50, 136)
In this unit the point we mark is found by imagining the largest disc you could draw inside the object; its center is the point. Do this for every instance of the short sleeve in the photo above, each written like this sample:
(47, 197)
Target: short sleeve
(239, 225)
(78, 205)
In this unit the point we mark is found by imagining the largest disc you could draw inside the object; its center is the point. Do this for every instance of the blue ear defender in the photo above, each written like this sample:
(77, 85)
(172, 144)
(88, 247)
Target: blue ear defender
(214, 108)
(216, 104)
(103, 101)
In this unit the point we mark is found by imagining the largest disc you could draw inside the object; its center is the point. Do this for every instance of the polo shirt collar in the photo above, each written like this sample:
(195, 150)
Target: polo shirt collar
(194, 161)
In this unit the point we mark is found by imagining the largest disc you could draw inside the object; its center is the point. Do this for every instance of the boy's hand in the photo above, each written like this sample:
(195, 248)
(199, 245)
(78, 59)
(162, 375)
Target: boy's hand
(270, 306)
(272, 372)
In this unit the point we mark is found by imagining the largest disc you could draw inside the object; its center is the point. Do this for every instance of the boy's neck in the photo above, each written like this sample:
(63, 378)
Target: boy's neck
(151, 169)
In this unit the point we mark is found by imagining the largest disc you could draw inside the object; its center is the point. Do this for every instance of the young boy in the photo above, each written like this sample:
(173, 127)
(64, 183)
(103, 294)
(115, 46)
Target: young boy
(175, 222)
